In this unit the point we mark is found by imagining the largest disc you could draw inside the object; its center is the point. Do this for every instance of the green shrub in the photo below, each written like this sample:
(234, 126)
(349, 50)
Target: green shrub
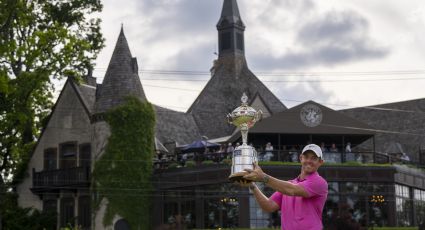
(28, 218)
(174, 165)
(208, 162)
(395, 228)
(190, 164)
(227, 161)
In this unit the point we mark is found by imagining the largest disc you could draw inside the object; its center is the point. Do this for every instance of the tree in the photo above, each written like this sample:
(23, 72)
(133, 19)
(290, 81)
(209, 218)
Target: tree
(40, 40)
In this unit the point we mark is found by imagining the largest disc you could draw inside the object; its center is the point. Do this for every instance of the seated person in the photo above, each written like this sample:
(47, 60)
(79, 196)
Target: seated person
(333, 148)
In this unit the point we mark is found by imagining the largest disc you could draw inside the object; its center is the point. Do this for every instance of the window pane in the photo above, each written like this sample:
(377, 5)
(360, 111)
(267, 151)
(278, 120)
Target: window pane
(50, 206)
(85, 155)
(67, 212)
(50, 159)
(333, 187)
(226, 42)
(239, 41)
(68, 153)
(84, 218)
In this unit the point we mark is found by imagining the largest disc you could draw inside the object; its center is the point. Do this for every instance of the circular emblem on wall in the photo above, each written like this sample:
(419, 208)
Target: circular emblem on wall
(311, 115)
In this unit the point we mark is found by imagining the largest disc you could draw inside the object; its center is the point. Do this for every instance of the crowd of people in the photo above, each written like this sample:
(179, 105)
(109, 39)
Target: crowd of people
(286, 153)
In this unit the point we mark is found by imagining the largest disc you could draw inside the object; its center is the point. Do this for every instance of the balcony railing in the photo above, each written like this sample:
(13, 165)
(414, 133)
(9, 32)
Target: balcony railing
(61, 178)
(364, 157)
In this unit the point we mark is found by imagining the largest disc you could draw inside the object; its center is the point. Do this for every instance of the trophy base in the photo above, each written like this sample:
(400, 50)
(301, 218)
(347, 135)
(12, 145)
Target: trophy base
(238, 178)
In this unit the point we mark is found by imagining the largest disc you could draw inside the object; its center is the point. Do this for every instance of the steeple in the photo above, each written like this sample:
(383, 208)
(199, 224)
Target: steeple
(231, 78)
(230, 30)
(121, 78)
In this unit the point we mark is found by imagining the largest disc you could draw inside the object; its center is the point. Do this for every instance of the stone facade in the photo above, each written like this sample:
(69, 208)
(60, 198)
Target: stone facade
(69, 122)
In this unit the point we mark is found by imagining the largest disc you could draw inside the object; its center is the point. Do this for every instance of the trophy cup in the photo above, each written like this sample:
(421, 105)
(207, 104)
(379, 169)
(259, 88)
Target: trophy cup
(244, 156)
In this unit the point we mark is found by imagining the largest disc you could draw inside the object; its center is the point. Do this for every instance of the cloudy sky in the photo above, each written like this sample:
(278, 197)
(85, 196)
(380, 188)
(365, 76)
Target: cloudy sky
(340, 53)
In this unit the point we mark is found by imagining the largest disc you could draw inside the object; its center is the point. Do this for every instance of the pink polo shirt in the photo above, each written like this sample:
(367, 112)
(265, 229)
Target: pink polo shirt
(299, 213)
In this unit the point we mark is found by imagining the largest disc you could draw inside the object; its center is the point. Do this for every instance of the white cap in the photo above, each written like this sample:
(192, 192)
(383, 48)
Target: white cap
(315, 148)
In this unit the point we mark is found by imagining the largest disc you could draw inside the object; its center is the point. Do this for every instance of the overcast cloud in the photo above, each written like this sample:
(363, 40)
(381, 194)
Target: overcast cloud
(281, 36)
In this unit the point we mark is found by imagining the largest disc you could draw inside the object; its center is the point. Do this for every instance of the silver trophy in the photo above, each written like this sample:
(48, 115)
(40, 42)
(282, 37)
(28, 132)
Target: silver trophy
(244, 156)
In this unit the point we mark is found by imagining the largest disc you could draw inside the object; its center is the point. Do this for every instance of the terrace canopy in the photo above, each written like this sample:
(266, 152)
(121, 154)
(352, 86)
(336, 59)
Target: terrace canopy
(309, 122)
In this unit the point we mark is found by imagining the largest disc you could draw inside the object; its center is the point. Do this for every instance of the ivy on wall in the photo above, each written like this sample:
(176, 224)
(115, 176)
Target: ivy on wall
(123, 173)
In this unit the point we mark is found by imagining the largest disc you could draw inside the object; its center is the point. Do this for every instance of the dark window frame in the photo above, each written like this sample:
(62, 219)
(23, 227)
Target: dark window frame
(47, 165)
(84, 211)
(67, 211)
(239, 41)
(84, 161)
(225, 41)
(68, 160)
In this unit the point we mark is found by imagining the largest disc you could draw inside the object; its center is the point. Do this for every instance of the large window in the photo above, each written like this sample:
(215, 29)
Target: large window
(68, 155)
(330, 211)
(67, 212)
(352, 204)
(221, 206)
(378, 204)
(403, 205)
(50, 206)
(419, 204)
(84, 212)
(180, 209)
(259, 218)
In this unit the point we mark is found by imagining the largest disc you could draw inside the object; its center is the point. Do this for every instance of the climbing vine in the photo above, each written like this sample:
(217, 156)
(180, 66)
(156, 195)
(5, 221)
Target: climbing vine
(123, 173)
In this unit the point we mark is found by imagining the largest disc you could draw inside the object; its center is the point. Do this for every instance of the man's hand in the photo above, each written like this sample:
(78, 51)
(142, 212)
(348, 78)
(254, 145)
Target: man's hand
(255, 174)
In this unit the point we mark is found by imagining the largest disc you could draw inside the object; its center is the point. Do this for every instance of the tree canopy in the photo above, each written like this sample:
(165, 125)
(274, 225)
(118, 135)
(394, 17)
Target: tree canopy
(40, 40)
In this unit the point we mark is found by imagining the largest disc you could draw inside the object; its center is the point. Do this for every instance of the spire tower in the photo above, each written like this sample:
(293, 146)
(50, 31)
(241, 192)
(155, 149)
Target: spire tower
(230, 30)
(121, 78)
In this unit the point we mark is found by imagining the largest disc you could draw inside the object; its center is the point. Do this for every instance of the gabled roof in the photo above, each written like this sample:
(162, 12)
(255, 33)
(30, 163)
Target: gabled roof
(121, 78)
(332, 122)
(81, 97)
(401, 122)
(222, 95)
(173, 126)
(86, 94)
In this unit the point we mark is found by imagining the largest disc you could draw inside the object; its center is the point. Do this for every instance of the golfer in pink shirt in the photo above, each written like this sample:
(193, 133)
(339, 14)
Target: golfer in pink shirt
(300, 200)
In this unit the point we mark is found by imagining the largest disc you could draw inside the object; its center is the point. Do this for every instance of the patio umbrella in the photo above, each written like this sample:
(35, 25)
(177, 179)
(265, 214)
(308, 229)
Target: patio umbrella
(199, 146)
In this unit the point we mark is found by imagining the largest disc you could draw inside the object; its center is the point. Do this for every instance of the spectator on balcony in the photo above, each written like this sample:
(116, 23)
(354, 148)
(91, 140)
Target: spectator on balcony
(323, 147)
(293, 154)
(183, 159)
(221, 153)
(268, 152)
(349, 156)
(230, 149)
(333, 148)
(348, 148)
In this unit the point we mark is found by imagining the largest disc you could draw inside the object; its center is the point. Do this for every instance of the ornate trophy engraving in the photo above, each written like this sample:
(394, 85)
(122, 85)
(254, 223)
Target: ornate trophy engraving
(244, 156)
